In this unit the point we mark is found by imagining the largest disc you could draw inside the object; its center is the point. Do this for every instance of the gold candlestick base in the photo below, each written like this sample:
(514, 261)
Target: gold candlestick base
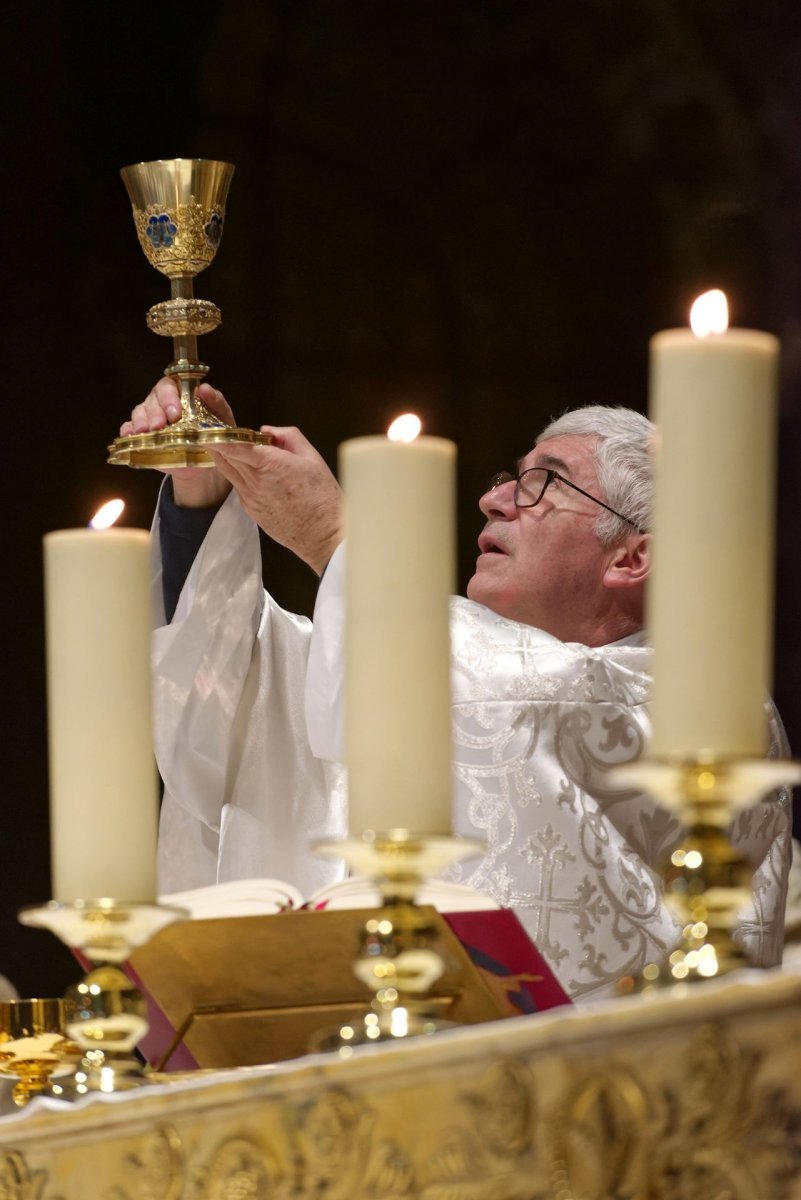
(707, 881)
(398, 958)
(105, 1015)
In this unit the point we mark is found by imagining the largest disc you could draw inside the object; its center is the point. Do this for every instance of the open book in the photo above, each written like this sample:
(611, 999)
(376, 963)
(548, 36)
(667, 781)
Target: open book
(256, 897)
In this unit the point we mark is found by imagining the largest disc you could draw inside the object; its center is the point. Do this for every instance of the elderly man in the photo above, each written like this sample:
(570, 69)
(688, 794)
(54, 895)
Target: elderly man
(550, 679)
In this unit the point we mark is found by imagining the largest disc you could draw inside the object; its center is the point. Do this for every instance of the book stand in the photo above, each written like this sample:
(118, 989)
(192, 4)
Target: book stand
(248, 990)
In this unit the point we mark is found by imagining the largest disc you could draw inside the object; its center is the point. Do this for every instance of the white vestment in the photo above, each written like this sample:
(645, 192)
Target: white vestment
(249, 733)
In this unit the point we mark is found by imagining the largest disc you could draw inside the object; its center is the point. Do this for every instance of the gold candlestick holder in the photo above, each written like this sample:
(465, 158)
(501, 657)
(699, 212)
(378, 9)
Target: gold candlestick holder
(105, 1014)
(707, 880)
(179, 212)
(34, 1045)
(398, 957)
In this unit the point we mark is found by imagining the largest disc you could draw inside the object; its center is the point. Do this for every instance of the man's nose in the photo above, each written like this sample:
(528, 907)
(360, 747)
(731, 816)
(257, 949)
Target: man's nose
(500, 501)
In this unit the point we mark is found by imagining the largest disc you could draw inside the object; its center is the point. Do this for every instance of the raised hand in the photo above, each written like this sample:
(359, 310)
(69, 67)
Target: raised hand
(288, 489)
(193, 487)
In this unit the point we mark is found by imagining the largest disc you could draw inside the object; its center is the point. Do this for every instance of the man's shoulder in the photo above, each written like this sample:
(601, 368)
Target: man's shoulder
(496, 657)
(470, 618)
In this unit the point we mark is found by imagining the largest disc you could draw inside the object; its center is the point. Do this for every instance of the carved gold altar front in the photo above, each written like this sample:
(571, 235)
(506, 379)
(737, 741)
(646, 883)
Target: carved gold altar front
(650, 1098)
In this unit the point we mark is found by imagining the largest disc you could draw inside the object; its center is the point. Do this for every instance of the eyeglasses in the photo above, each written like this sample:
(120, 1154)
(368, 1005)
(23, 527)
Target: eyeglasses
(530, 487)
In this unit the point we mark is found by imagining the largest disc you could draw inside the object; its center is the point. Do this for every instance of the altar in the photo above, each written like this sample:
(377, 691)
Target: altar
(649, 1098)
(462, 740)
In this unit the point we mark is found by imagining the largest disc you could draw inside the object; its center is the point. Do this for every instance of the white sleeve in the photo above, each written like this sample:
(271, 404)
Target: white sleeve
(325, 679)
(243, 792)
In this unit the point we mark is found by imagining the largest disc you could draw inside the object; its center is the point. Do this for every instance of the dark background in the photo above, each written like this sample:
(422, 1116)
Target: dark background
(478, 209)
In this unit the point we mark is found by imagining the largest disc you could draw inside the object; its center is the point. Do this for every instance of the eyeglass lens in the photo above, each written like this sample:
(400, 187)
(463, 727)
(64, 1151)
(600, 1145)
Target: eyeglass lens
(528, 487)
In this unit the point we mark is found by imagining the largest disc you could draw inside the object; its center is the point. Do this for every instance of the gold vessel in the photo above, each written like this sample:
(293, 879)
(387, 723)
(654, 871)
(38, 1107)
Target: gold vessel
(179, 213)
(33, 1045)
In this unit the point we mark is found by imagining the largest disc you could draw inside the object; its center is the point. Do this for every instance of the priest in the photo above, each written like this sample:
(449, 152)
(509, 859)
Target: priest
(550, 675)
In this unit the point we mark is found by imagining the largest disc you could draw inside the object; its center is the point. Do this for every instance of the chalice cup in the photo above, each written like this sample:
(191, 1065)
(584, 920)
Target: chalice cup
(179, 213)
(33, 1045)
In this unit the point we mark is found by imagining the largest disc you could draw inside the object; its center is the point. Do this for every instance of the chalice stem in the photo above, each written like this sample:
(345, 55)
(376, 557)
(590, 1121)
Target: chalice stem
(186, 368)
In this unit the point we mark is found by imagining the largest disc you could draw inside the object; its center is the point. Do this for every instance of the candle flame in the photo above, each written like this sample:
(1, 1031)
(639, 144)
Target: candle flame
(107, 514)
(710, 313)
(405, 428)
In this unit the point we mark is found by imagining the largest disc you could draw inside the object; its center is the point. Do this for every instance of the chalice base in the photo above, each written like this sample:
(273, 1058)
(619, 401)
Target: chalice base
(178, 446)
(36, 1077)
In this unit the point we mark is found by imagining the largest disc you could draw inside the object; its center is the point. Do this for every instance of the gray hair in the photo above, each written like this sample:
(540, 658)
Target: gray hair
(623, 461)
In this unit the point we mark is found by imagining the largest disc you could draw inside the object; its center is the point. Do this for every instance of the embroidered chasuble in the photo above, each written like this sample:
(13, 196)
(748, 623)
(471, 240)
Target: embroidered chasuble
(248, 716)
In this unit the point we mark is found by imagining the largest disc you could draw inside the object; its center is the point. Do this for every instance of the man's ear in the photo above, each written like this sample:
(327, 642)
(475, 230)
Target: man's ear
(629, 563)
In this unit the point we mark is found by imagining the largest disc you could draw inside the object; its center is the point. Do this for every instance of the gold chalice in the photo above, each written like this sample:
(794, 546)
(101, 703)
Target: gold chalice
(179, 212)
(33, 1044)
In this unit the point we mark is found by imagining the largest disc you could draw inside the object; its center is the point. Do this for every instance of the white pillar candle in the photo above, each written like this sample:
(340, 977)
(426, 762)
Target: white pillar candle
(103, 784)
(710, 597)
(399, 557)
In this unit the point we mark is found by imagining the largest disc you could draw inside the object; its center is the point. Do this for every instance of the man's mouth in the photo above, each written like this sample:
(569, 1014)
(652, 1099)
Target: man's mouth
(487, 544)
